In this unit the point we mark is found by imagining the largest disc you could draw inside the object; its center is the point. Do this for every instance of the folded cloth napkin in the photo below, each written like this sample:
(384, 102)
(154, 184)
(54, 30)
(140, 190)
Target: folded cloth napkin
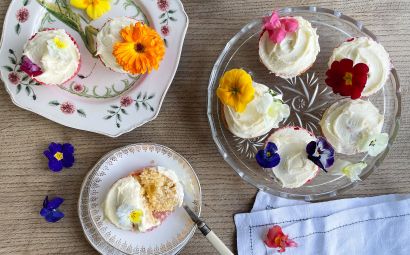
(372, 225)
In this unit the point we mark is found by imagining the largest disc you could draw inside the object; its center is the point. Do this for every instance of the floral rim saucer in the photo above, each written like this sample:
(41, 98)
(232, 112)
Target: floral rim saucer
(97, 99)
(168, 238)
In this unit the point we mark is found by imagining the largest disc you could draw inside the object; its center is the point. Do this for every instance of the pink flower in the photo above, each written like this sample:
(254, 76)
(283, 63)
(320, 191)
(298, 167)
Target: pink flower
(14, 78)
(126, 101)
(277, 239)
(22, 15)
(163, 5)
(78, 88)
(29, 67)
(278, 27)
(165, 30)
(67, 108)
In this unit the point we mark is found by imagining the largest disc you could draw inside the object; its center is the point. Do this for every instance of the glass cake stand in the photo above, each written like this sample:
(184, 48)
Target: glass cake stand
(307, 95)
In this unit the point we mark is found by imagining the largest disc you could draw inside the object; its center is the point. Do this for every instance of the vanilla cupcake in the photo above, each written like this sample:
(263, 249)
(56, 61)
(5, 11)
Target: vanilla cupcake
(294, 168)
(367, 51)
(142, 201)
(288, 46)
(126, 45)
(51, 57)
(349, 124)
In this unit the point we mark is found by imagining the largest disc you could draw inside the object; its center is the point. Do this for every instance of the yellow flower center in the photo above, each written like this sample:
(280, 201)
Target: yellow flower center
(348, 78)
(60, 44)
(136, 216)
(58, 156)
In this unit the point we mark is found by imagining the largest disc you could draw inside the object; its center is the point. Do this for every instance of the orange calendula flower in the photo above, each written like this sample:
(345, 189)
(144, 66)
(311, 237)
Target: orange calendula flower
(141, 51)
(236, 89)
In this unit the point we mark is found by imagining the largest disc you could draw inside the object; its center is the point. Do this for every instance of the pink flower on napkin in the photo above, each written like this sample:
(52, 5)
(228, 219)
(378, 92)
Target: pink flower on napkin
(278, 27)
(277, 239)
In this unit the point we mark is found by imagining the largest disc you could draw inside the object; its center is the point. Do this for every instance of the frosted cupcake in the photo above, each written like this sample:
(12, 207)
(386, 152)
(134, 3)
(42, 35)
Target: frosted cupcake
(51, 57)
(142, 201)
(363, 50)
(293, 167)
(250, 109)
(353, 126)
(288, 46)
(126, 45)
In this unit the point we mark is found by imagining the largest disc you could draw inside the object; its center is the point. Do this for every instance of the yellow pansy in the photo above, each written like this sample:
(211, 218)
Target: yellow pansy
(236, 89)
(94, 8)
(59, 43)
(136, 216)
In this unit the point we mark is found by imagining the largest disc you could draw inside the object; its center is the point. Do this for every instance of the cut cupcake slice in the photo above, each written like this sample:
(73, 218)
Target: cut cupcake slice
(142, 201)
(367, 51)
(51, 57)
(294, 168)
(347, 123)
(288, 46)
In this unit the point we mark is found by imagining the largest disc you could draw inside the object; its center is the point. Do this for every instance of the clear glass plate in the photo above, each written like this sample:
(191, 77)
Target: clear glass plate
(307, 95)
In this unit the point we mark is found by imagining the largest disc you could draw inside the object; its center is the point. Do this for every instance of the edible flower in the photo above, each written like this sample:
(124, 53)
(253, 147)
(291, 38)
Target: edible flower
(142, 49)
(59, 43)
(321, 153)
(29, 67)
(50, 210)
(277, 239)
(94, 8)
(278, 27)
(59, 156)
(347, 79)
(376, 143)
(268, 157)
(347, 168)
(236, 89)
(136, 216)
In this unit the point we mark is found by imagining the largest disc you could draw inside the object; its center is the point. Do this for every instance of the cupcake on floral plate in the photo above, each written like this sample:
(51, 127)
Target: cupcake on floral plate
(51, 57)
(363, 51)
(288, 46)
(126, 45)
(250, 109)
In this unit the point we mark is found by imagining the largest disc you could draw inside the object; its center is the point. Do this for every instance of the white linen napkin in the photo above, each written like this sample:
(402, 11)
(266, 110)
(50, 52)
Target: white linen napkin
(373, 225)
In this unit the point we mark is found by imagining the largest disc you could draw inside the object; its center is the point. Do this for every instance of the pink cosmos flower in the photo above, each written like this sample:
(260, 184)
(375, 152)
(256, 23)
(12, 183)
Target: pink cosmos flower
(277, 239)
(14, 78)
(126, 101)
(29, 67)
(22, 15)
(67, 108)
(165, 30)
(278, 27)
(78, 88)
(163, 5)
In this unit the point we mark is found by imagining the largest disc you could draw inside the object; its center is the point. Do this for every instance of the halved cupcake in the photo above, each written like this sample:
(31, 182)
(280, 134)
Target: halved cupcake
(51, 57)
(142, 201)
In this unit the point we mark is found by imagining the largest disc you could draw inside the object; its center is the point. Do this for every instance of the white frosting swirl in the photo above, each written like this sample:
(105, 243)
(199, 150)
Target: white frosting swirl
(294, 55)
(261, 115)
(58, 64)
(108, 36)
(367, 51)
(347, 123)
(294, 169)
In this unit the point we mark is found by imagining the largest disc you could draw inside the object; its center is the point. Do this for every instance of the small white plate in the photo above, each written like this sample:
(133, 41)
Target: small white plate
(97, 99)
(170, 236)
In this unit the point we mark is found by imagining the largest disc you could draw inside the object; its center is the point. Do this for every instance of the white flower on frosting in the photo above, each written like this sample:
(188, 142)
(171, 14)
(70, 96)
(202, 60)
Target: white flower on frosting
(375, 144)
(123, 213)
(347, 168)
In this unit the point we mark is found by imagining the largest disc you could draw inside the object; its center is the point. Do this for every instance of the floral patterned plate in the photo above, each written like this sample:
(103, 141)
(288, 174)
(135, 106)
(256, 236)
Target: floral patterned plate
(170, 236)
(97, 99)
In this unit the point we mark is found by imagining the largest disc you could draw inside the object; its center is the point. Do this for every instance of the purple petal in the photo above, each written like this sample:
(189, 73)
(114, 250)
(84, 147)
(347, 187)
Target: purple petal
(68, 148)
(48, 154)
(55, 165)
(44, 212)
(55, 203)
(325, 145)
(311, 148)
(45, 202)
(271, 147)
(54, 216)
(68, 160)
(317, 162)
(267, 162)
(29, 67)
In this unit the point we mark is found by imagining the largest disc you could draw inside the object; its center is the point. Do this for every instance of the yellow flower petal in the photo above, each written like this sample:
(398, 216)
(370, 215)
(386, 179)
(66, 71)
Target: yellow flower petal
(80, 4)
(98, 8)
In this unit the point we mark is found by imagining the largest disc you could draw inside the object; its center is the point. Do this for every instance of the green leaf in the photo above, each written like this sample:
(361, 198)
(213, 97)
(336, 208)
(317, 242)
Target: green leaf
(108, 117)
(139, 95)
(8, 68)
(11, 51)
(151, 108)
(172, 18)
(164, 21)
(17, 28)
(26, 2)
(81, 113)
(25, 78)
(124, 111)
(145, 105)
(18, 88)
(28, 90)
(137, 105)
(13, 60)
(118, 125)
(172, 11)
(162, 15)
(54, 103)
(111, 111)
(114, 107)
(34, 96)
(119, 117)
(151, 97)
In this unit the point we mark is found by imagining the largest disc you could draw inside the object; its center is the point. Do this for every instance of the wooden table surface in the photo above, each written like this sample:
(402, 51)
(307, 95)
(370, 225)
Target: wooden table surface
(25, 180)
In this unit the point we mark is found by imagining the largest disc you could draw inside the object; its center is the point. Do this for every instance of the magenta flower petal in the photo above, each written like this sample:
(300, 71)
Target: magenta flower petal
(29, 67)
(290, 25)
(277, 35)
(278, 28)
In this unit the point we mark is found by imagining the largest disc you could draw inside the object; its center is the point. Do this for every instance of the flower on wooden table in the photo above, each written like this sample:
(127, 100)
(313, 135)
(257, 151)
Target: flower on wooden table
(236, 89)
(268, 157)
(50, 210)
(347, 79)
(278, 27)
(60, 156)
(277, 239)
(321, 153)
(94, 8)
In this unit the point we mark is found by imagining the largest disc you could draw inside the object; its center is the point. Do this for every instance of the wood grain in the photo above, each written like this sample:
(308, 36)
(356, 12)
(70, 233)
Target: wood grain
(25, 180)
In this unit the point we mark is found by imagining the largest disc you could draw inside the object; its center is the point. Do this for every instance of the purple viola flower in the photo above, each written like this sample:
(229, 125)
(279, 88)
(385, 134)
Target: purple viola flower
(29, 67)
(321, 153)
(50, 210)
(268, 157)
(59, 156)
